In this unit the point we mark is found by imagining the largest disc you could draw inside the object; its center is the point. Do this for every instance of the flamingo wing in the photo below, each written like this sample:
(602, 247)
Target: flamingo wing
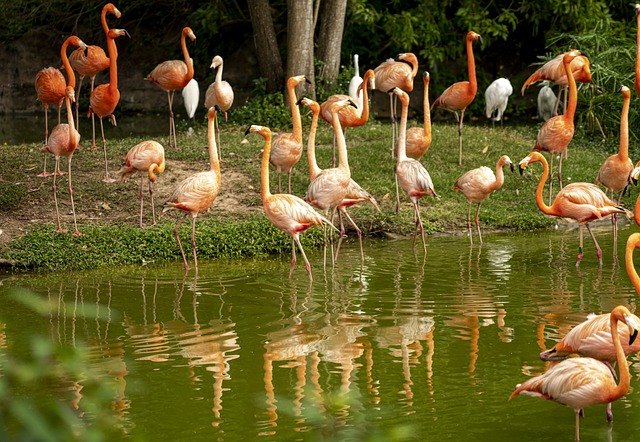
(555, 135)
(475, 184)
(414, 179)
(89, 63)
(195, 193)
(455, 97)
(170, 75)
(220, 93)
(291, 214)
(328, 189)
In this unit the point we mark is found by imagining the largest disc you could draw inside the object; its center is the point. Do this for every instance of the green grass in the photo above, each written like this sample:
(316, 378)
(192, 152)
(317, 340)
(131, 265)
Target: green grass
(107, 243)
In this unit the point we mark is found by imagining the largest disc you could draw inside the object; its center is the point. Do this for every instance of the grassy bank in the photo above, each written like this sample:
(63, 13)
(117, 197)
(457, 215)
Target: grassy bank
(235, 226)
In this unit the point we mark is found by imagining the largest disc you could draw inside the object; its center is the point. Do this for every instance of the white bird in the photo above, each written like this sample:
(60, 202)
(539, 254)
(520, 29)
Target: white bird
(191, 96)
(546, 102)
(496, 97)
(353, 86)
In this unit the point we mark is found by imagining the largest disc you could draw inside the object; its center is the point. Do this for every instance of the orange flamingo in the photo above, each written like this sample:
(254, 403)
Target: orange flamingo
(582, 202)
(398, 72)
(172, 75)
(91, 62)
(478, 184)
(419, 138)
(197, 192)
(614, 172)
(412, 176)
(557, 132)
(554, 71)
(219, 92)
(636, 81)
(349, 116)
(51, 89)
(287, 212)
(460, 95)
(580, 382)
(634, 177)
(105, 97)
(286, 148)
(146, 157)
(328, 190)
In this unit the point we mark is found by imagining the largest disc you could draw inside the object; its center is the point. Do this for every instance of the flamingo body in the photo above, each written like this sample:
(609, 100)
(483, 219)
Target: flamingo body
(219, 92)
(398, 72)
(554, 71)
(350, 116)
(50, 87)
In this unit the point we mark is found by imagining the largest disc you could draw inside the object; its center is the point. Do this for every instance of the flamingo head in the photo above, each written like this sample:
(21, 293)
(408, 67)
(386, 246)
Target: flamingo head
(115, 33)
(75, 41)
(635, 173)
(637, 8)
(187, 32)
(471, 36)
(626, 93)
(408, 57)
(217, 61)
(296, 80)
(571, 55)
(370, 79)
(533, 157)
(335, 107)
(314, 106)
(212, 112)
(400, 93)
(262, 130)
(111, 8)
(70, 93)
(426, 77)
(621, 313)
(506, 161)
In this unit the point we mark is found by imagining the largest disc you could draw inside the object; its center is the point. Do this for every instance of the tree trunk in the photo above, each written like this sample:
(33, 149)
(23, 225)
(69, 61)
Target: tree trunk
(330, 38)
(266, 44)
(300, 42)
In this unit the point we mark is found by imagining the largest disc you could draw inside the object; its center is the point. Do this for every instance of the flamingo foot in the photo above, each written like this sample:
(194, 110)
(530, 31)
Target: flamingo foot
(94, 146)
(61, 230)
(77, 233)
(579, 259)
(108, 180)
(44, 174)
(599, 253)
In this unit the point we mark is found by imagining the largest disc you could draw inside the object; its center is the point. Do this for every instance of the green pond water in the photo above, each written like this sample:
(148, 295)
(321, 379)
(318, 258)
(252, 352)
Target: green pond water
(427, 350)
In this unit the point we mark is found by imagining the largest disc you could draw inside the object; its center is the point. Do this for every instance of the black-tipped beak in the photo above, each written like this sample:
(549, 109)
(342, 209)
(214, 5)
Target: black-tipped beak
(127, 33)
(390, 91)
(351, 103)
(633, 337)
(583, 54)
(246, 132)
(217, 108)
(521, 170)
(512, 167)
(619, 88)
(480, 39)
(634, 181)
(299, 102)
(307, 80)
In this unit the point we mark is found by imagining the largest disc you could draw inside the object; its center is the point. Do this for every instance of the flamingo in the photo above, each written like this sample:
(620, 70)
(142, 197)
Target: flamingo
(105, 97)
(580, 382)
(496, 98)
(419, 138)
(146, 157)
(172, 75)
(412, 176)
(91, 62)
(356, 81)
(478, 184)
(65, 138)
(615, 171)
(287, 212)
(197, 192)
(190, 97)
(554, 71)
(396, 73)
(461, 94)
(349, 116)
(557, 132)
(286, 148)
(51, 89)
(219, 92)
(546, 101)
(636, 81)
(582, 202)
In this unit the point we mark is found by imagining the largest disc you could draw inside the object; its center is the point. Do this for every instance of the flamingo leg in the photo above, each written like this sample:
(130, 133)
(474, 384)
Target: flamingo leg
(289, 181)
(172, 137)
(342, 232)
(217, 125)
(577, 425)
(560, 170)
(193, 242)
(477, 222)
(460, 135)
(550, 177)
(93, 120)
(598, 249)
(78, 103)
(614, 222)
(153, 208)
(106, 178)
(306, 261)
(393, 126)
(420, 226)
(580, 249)
(55, 196)
(358, 231)
(395, 175)
(44, 173)
(76, 232)
(141, 199)
(175, 233)
(469, 222)
(293, 256)
(279, 179)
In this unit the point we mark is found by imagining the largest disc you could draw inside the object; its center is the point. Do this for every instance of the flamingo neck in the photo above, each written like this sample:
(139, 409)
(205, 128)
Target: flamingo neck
(103, 20)
(624, 376)
(213, 147)
(73, 141)
(187, 59)
(631, 270)
(499, 177)
(637, 50)
(113, 64)
(314, 169)
(67, 66)
(573, 93)
(264, 169)
(471, 66)
(427, 111)
(343, 160)
(624, 129)
(402, 136)
(295, 112)
(219, 74)
(365, 99)
(543, 179)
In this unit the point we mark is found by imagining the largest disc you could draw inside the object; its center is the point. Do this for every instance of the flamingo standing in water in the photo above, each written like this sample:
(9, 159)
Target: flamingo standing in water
(557, 132)
(349, 116)
(396, 73)
(460, 95)
(412, 176)
(172, 75)
(419, 138)
(90, 63)
(197, 192)
(287, 212)
(592, 338)
(478, 184)
(286, 148)
(106, 97)
(615, 171)
(146, 157)
(582, 202)
(219, 92)
(580, 382)
(64, 138)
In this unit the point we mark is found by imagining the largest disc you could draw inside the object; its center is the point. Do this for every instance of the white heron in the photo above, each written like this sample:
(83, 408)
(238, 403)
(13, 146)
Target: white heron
(353, 86)
(496, 97)
(191, 96)
(546, 102)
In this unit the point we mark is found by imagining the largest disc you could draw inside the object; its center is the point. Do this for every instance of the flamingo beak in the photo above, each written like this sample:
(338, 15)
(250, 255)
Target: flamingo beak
(633, 336)
(512, 167)
(248, 131)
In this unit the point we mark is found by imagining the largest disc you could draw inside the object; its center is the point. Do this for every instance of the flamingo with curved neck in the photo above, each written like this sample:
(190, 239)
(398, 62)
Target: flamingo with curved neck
(219, 92)
(419, 138)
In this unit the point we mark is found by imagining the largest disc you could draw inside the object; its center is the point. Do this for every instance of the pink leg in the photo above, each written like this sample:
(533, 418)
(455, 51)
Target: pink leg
(175, 233)
(193, 242)
(106, 178)
(306, 261)
(293, 257)
(460, 136)
(478, 223)
(78, 103)
(55, 195)
(580, 250)
(420, 226)
(395, 175)
(342, 234)
(141, 199)
(44, 173)
(469, 223)
(153, 208)
(76, 232)
(598, 249)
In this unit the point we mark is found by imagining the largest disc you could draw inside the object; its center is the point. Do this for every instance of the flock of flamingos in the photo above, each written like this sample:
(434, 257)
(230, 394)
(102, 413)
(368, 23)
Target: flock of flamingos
(602, 341)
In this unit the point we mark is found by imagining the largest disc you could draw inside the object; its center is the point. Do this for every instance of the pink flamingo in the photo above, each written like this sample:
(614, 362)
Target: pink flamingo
(419, 138)
(219, 92)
